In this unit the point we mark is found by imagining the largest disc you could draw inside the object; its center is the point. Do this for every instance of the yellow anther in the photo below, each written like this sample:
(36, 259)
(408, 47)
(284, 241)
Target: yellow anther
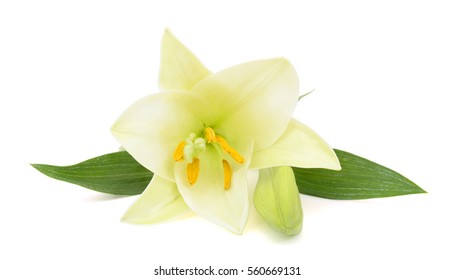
(192, 171)
(209, 135)
(227, 174)
(228, 149)
(189, 150)
(178, 154)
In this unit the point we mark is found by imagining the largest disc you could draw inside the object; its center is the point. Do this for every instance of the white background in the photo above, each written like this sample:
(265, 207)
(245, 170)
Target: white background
(384, 78)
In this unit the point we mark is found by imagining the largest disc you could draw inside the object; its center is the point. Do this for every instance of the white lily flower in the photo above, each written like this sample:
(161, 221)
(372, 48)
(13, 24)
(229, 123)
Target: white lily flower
(203, 131)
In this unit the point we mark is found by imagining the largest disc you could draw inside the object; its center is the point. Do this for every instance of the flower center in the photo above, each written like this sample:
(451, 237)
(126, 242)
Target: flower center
(193, 146)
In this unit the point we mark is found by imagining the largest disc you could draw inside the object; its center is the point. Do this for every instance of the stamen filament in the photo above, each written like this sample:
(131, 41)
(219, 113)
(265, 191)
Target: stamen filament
(227, 174)
(192, 171)
(178, 154)
(228, 149)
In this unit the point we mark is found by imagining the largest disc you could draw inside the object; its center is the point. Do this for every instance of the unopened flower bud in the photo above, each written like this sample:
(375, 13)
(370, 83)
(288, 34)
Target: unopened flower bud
(277, 199)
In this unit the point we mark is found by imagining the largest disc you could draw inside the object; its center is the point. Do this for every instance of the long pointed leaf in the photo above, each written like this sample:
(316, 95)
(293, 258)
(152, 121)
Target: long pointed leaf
(116, 173)
(358, 179)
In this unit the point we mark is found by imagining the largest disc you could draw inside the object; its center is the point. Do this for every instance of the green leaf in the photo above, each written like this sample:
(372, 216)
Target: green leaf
(305, 94)
(119, 173)
(116, 173)
(358, 179)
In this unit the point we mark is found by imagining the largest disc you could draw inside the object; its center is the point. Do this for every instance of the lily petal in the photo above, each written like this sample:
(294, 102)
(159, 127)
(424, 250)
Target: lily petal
(151, 129)
(299, 146)
(160, 201)
(252, 100)
(180, 68)
(208, 198)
